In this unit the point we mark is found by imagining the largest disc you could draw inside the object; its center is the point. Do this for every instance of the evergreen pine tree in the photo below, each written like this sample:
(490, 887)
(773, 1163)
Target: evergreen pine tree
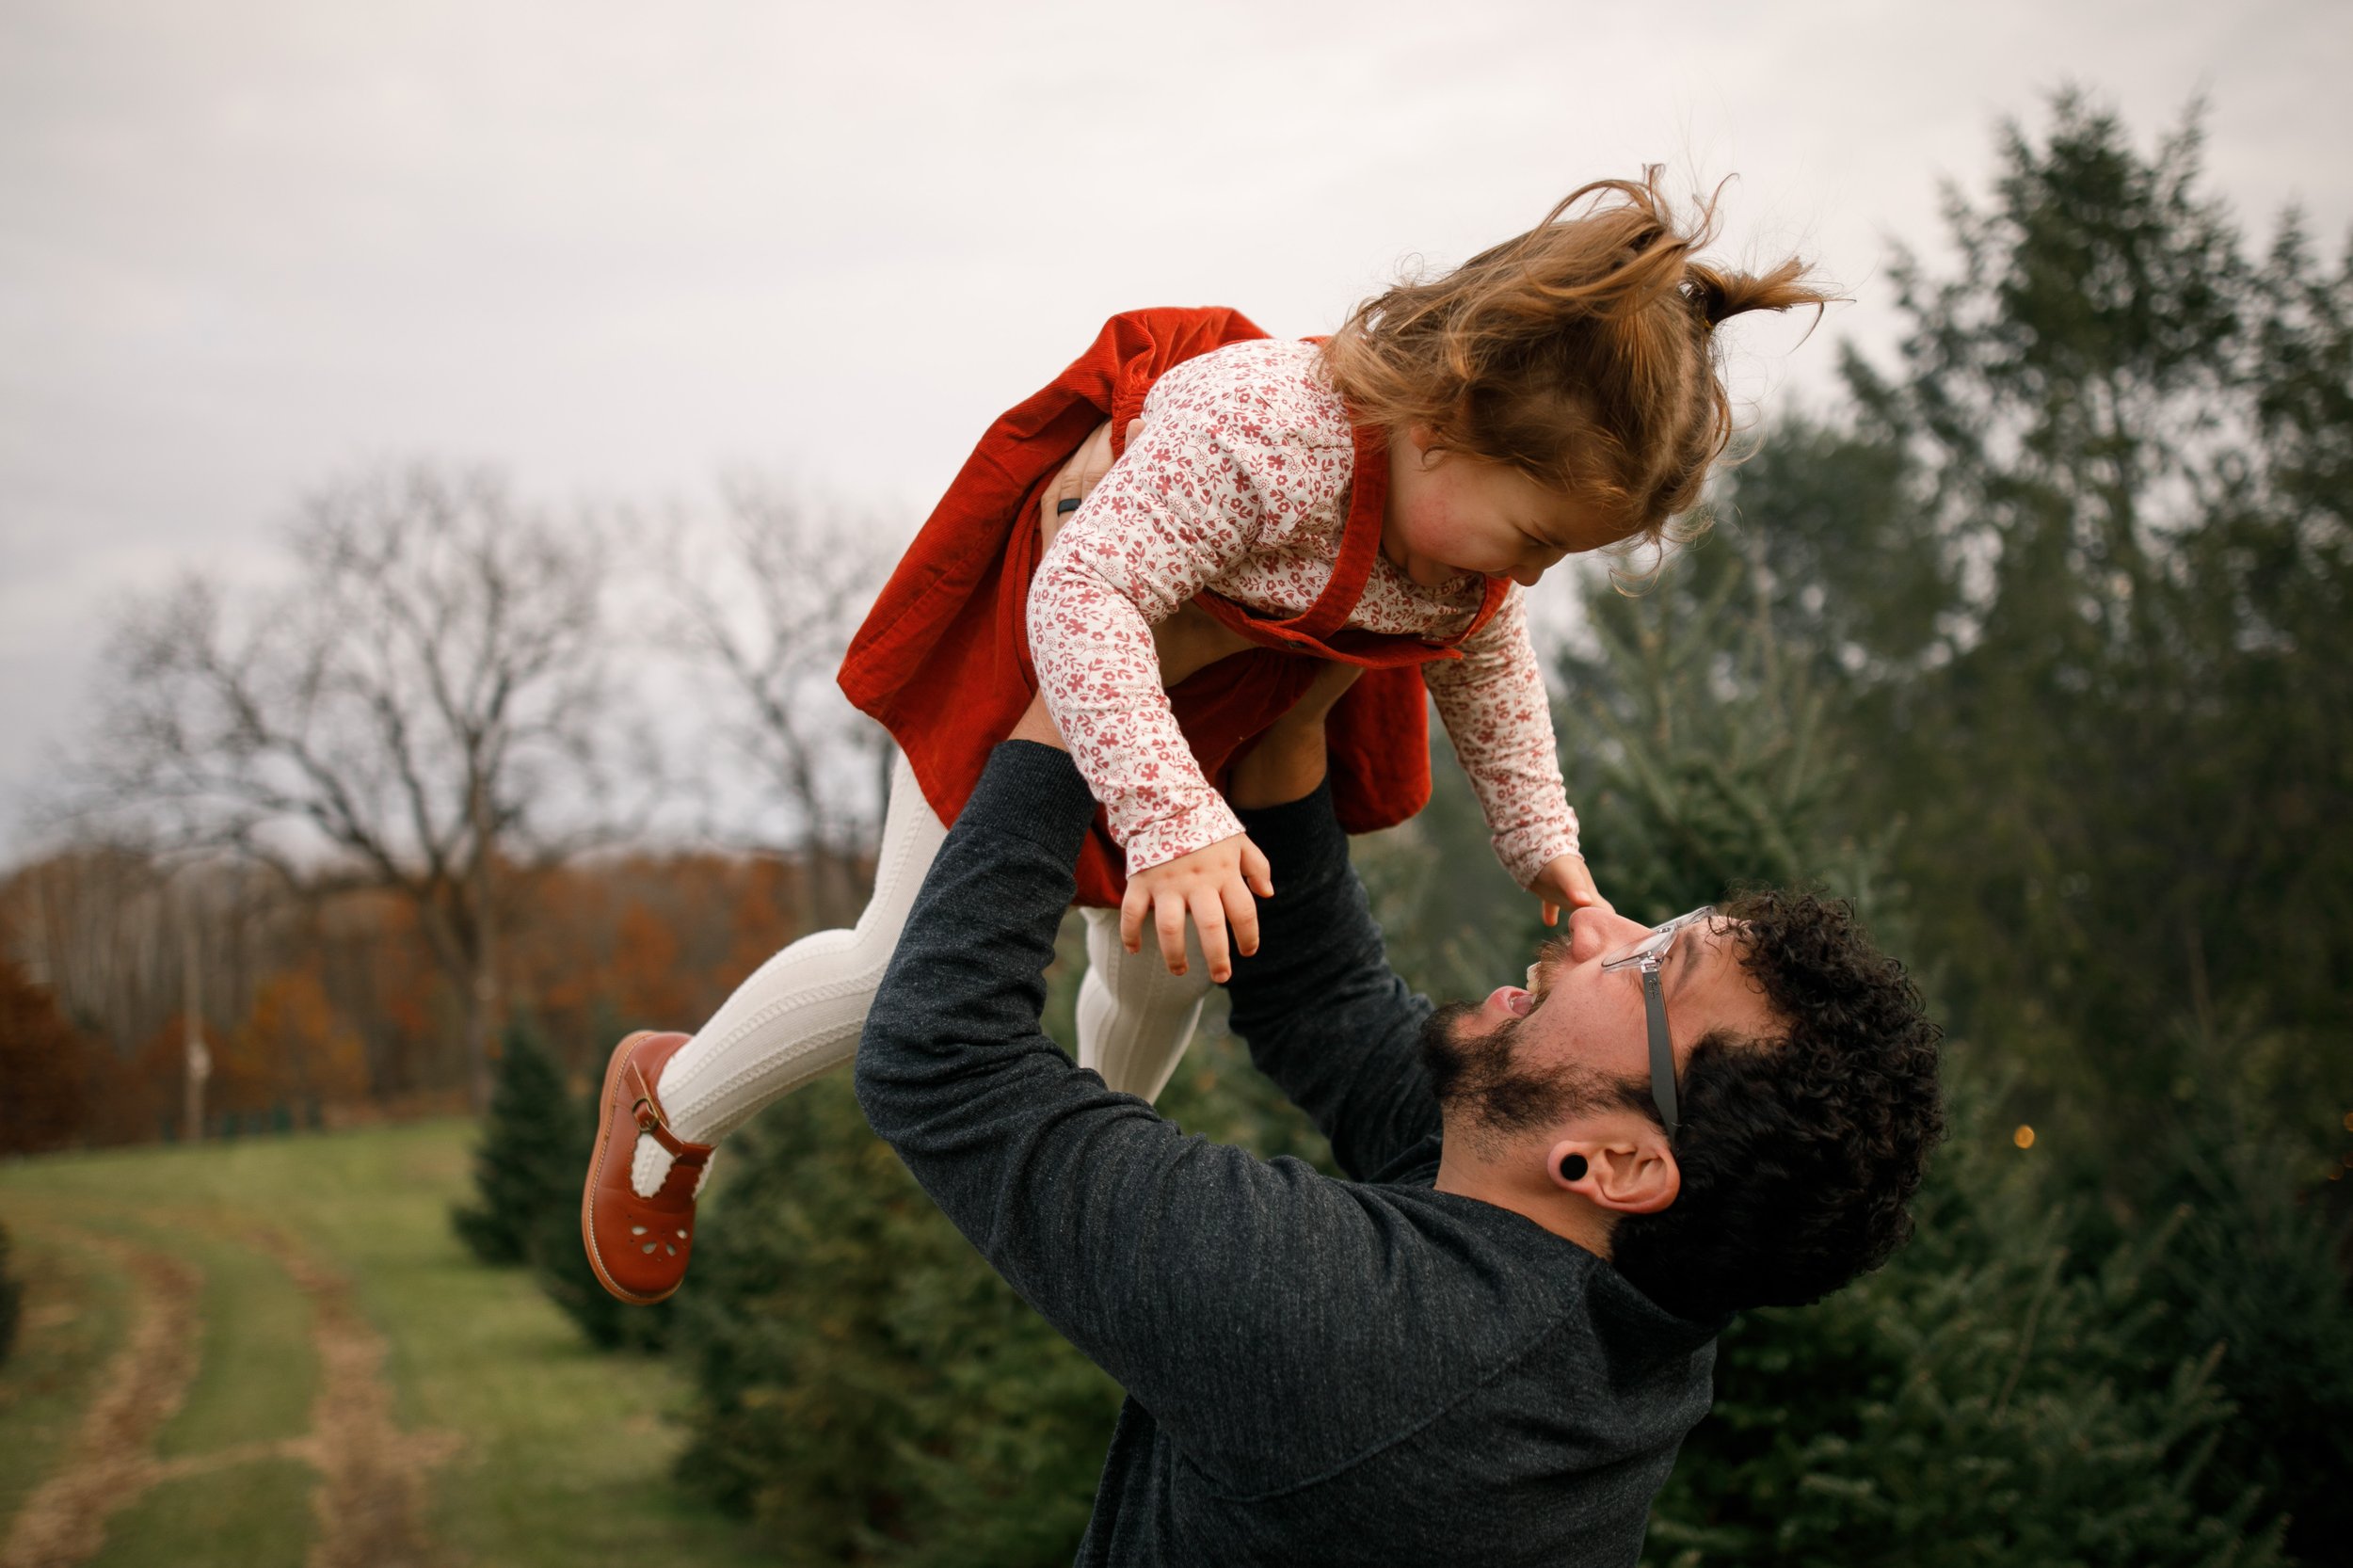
(1984, 1396)
(868, 1388)
(2256, 1274)
(529, 1161)
(1702, 756)
(2079, 568)
(11, 1299)
(2079, 578)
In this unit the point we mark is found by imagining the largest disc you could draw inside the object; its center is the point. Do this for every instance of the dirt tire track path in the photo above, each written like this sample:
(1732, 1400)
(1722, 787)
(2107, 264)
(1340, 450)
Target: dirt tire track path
(110, 1459)
(372, 1492)
(374, 1475)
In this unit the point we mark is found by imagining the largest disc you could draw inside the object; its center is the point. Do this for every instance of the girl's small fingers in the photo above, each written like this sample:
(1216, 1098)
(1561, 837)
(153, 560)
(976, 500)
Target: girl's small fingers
(1209, 918)
(1257, 870)
(1552, 913)
(1241, 915)
(1131, 920)
(1169, 914)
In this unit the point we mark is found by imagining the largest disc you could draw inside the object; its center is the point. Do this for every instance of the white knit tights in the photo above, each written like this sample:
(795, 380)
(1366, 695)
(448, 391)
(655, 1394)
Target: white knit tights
(799, 1014)
(1135, 1018)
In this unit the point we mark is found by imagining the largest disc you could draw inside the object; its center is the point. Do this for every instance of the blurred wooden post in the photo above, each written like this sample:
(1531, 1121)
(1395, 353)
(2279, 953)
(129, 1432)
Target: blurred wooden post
(482, 1020)
(198, 1060)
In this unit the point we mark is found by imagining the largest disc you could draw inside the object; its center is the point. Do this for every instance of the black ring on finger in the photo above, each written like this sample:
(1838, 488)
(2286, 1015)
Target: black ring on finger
(1065, 506)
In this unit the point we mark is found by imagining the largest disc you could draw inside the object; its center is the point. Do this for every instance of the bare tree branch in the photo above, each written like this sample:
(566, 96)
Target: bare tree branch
(426, 708)
(763, 599)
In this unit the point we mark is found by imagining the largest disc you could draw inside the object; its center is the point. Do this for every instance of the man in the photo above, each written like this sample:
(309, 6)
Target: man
(1486, 1345)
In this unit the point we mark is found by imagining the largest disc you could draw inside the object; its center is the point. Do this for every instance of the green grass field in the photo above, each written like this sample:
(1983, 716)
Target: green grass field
(252, 1352)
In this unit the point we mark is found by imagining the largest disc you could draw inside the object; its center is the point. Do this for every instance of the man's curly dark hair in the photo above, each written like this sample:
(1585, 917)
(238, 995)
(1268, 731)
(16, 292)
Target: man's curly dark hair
(1798, 1154)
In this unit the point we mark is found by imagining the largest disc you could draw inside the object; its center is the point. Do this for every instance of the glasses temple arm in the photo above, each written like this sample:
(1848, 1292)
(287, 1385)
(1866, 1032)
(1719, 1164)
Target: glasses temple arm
(1663, 1056)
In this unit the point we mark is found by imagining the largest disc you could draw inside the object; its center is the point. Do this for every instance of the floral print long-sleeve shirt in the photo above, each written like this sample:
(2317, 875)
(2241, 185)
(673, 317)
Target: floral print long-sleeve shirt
(1239, 483)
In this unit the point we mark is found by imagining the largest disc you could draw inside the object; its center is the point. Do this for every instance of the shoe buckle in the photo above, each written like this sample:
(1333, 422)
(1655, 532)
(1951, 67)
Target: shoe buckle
(649, 1115)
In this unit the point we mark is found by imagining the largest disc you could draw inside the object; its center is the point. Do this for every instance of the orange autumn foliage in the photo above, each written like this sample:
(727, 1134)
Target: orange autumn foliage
(332, 1003)
(644, 978)
(292, 1048)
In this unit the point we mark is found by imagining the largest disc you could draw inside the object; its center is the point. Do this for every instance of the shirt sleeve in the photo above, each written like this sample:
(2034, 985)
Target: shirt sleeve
(1498, 715)
(1221, 466)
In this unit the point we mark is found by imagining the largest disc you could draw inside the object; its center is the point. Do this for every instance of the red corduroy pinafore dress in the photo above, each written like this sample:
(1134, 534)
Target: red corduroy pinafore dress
(942, 660)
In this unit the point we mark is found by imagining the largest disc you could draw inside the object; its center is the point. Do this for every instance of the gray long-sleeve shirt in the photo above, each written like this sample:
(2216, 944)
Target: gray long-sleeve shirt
(1357, 1371)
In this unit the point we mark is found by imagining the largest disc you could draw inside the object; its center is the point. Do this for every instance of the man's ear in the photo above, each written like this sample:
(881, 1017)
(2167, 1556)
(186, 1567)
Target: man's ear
(1632, 1173)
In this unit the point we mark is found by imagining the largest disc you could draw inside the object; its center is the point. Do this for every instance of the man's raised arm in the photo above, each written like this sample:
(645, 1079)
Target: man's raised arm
(1323, 1014)
(1204, 1280)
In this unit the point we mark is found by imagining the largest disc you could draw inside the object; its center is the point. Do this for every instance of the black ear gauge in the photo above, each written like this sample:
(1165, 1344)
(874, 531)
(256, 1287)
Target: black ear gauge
(1572, 1167)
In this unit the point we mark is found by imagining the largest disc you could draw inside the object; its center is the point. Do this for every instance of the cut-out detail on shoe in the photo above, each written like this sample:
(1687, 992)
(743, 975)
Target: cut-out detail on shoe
(671, 1250)
(681, 1236)
(647, 1247)
(637, 1230)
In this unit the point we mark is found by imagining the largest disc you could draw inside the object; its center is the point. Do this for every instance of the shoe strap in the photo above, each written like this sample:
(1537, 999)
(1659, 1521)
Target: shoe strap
(647, 1112)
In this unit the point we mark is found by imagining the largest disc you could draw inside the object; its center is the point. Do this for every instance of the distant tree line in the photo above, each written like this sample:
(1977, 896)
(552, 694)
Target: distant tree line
(330, 1009)
(471, 755)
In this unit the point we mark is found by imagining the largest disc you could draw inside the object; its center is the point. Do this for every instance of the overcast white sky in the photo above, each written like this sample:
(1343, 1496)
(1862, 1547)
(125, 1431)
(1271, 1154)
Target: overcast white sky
(248, 247)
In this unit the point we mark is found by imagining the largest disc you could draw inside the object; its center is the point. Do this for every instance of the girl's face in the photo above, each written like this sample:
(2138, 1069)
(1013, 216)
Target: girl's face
(1449, 514)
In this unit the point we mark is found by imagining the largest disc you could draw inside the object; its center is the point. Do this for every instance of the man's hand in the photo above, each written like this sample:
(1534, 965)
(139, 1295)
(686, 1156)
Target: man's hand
(1076, 478)
(1188, 641)
(1565, 882)
(1213, 885)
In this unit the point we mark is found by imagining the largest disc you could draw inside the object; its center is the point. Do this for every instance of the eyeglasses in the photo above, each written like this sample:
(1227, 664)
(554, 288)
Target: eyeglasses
(1649, 955)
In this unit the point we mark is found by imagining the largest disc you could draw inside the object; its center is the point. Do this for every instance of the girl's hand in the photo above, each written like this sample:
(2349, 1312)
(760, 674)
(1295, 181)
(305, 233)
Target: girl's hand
(1565, 882)
(1212, 885)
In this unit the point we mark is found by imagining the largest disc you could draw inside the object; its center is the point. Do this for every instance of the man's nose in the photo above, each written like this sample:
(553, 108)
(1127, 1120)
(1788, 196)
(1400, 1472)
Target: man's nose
(1596, 930)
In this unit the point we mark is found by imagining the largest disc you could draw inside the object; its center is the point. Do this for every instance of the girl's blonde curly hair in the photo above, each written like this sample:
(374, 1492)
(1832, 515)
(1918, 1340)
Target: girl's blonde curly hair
(1581, 353)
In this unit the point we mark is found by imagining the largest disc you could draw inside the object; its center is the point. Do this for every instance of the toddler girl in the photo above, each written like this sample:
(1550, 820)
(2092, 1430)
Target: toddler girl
(1376, 500)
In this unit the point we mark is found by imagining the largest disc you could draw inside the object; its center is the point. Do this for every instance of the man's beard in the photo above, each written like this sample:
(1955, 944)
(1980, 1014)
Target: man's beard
(1480, 1082)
